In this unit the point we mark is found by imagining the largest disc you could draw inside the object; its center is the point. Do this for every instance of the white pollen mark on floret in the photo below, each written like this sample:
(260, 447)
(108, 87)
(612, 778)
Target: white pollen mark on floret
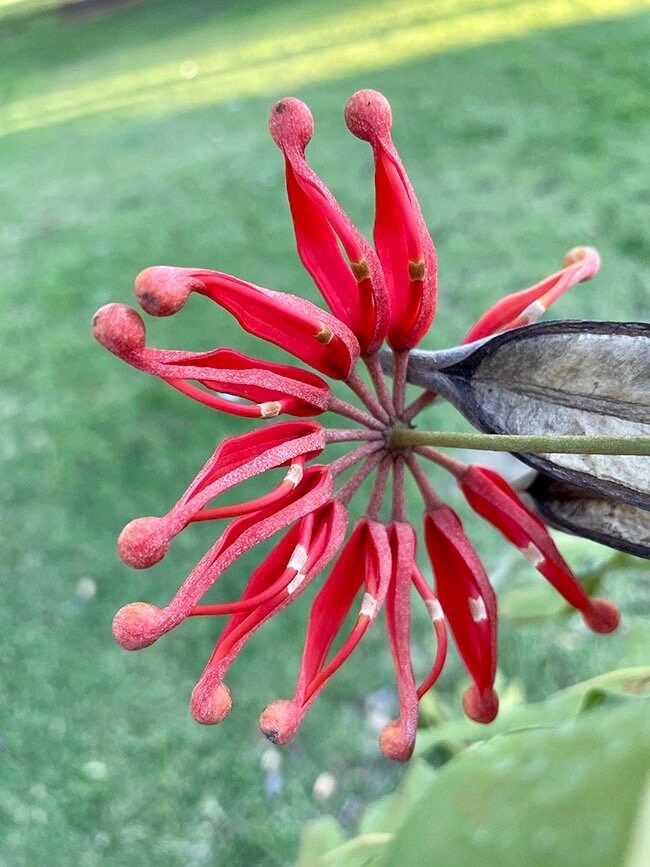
(270, 409)
(298, 558)
(531, 552)
(269, 293)
(435, 609)
(368, 605)
(477, 609)
(294, 474)
(295, 582)
(534, 310)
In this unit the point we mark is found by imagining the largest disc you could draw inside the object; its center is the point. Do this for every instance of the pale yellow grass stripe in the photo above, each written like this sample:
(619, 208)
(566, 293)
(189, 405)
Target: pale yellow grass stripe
(356, 41)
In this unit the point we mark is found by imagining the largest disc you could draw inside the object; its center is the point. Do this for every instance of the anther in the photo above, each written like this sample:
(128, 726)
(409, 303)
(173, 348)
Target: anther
(395, 743)
(360, 270)
(532, 553)
(294, 474)
(270, 409)
(533, 312)
(136, 625)
(416, 270)
(368, 606)
(162, 290)
(601, 615)
(278, 721)
(324, 334)
(210, 704)
(368, 115)
(291, 123)
(584, 254)
(119, 328)
(483, 706)
(143, 542)
(295, 582)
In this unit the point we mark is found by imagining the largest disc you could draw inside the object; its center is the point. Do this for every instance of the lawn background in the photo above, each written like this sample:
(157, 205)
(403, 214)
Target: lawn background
(117, 152)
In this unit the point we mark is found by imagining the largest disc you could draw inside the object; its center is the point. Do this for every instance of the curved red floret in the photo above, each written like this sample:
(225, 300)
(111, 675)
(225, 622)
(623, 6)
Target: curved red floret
(340, 260)
(402, 240)
(303, 329)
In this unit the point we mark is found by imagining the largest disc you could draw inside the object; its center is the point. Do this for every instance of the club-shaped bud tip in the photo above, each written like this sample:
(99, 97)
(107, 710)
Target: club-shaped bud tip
(483, 706)
(210, 704)
(588, 255)
(143, 542)
(162, 290)
(395, 742)
(119, 328)
(279, 721)
(602, 616)
(368, 115)
(291, 123)
(136, 625)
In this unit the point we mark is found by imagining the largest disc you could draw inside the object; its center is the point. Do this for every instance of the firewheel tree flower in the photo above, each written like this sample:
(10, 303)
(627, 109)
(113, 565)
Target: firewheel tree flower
(386, 293)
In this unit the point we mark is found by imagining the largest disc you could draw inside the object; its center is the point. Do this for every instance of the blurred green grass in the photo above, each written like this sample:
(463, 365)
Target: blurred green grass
(519, 149)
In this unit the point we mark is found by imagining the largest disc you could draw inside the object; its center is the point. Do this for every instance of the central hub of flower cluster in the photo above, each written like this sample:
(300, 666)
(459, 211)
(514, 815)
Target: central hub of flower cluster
(394, 445)
(376, 295)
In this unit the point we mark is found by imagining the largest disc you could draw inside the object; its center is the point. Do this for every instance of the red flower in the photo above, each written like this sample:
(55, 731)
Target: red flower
(388, 295)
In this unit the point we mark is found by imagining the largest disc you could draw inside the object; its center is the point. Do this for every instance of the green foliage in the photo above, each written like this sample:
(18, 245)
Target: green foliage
(537, 788)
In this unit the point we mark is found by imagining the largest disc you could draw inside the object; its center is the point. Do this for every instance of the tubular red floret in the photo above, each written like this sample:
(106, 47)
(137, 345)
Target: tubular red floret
(467, 599)
(397, 739)
(526, 306)
(341, 262)
(241, 535)
(434, 610)
(365, 561)
(294, 324)
(402, 240)
(274, 388)
(494, 499)
(325, 528)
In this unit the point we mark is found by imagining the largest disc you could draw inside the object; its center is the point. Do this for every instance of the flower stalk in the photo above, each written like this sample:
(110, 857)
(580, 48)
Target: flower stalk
(403, 438)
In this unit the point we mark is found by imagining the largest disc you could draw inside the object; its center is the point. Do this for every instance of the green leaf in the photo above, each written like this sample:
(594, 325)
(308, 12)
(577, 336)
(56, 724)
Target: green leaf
(388, 813)
(530, 604)
(318, 837)
(639, 850)
(360, 852)
(566, 795)
(609, 687)
(635, 648)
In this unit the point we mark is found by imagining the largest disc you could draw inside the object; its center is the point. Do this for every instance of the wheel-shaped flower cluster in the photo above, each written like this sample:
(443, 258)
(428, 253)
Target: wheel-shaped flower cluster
(375, 294)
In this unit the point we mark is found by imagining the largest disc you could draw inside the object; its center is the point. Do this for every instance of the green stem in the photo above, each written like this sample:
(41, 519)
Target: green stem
(402, 438)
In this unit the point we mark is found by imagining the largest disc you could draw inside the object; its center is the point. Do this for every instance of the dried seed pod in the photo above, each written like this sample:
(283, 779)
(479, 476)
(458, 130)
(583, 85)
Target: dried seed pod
(607, 520)
(562, 377)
